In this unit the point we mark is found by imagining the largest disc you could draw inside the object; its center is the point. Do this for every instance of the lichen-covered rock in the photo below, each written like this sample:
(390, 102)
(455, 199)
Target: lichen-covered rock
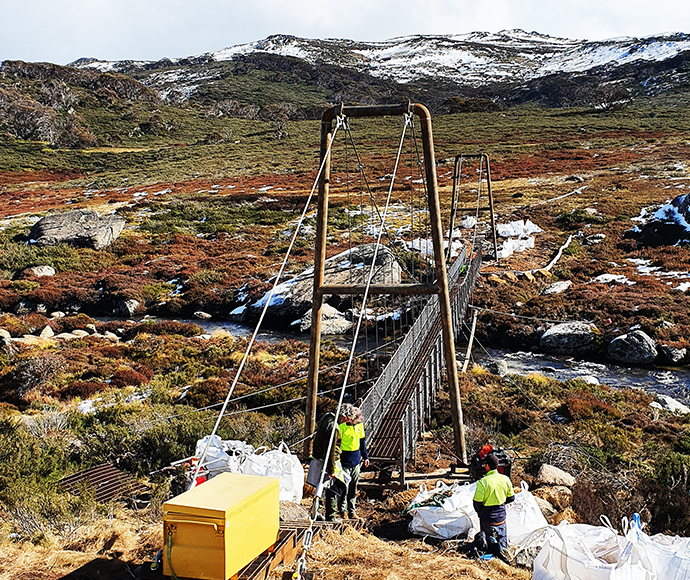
(559, 496)
(332, 321)
(635, 347)
(81, 227)
(568, 338)
(672, 354)
(557, 287)
(551, 475)
(293, 298)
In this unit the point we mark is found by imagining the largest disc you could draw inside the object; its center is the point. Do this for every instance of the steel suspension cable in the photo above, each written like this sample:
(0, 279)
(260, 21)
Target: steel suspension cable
(301, 563)
(267, 303)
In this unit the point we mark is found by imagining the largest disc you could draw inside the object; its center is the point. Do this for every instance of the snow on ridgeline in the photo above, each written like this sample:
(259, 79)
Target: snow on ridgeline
(476, 58)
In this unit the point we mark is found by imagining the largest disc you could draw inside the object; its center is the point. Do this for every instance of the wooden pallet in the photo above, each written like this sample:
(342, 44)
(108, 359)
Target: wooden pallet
(287, 548)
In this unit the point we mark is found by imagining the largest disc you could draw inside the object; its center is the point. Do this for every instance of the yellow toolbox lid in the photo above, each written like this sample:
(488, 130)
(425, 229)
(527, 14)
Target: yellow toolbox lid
(222, 495)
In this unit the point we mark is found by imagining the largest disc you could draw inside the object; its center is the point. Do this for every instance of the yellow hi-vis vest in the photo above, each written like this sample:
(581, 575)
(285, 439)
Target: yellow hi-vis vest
(351, 435)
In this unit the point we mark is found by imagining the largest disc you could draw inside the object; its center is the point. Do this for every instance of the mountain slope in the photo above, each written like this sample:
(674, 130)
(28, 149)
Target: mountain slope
(477, 59)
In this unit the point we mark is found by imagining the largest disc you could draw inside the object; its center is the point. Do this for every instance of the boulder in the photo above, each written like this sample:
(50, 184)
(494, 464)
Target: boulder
(127, 307)
(557, 287)
(636, 347)
(4, 333)
(47, 332)
(66, 336)
(666, 403)
(545, 507)
(202, 315)
(551, 475)
(559, 496)
(567, 515)
(497, 367)
(80, 333)
(332, 321)
(672, 354)
(589, 379)
(39, 271)
(81, 227)
(57, 314)
(111, 336)
(568, 338)
(666, 226)
(293, 298)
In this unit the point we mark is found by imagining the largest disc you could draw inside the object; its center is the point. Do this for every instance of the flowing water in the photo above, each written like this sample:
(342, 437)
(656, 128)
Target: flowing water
(674, 382)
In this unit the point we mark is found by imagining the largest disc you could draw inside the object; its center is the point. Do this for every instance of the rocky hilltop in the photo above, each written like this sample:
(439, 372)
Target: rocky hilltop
(478, 64)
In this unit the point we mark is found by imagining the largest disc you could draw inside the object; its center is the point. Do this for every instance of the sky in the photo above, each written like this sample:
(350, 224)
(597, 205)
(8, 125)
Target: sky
(61, 31)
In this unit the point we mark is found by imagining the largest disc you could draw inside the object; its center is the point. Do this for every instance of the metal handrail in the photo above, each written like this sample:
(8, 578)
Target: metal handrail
(400, 373)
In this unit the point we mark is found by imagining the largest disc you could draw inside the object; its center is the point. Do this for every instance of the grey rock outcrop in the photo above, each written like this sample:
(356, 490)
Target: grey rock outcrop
(666, 403)
(666, 226)
(551, 475)
(127, 307)
(635, 347)
(39, 271)
(293, 298)
(81, 227)
(497, 367)
(557, 287)
(568, 338)
(332, 321)
(672, 354)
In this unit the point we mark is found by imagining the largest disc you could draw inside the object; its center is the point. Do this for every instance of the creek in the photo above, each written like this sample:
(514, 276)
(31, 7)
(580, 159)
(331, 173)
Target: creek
(674, 382)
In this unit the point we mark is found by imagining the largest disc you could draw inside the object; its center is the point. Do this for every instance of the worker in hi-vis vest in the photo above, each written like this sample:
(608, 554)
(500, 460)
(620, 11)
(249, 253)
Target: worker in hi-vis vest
(494, 491)
(353, 455)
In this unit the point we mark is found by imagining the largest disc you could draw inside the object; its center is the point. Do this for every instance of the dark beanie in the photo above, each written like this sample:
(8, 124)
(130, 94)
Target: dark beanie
(492, 461)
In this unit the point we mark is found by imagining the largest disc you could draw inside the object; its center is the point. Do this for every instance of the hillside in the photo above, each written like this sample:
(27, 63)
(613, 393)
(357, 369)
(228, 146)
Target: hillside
(209, 161)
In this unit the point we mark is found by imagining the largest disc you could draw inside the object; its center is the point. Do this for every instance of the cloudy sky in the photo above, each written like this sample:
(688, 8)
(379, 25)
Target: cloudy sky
(61, 31)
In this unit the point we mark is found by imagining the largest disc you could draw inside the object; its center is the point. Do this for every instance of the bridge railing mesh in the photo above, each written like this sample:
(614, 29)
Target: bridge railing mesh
(401, 368)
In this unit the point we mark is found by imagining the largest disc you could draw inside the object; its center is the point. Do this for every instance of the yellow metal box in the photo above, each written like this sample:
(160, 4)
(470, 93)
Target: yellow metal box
(213, 531)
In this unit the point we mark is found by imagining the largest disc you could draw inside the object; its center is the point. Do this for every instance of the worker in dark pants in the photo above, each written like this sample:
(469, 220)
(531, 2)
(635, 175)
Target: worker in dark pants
(494, 491)
(326, 429)
(353, 456)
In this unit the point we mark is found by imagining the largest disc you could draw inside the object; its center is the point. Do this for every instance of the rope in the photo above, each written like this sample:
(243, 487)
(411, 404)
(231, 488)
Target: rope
(301, 563)
(267, 303)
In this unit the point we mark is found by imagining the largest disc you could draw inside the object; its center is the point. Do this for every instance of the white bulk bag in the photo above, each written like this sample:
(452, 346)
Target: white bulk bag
(584, 552)
(454, 517)
(279, 463)
(216, 460)
(523, 516)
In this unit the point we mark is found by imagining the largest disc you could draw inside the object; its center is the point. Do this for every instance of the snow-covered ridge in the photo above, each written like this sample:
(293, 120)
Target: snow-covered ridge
(476, 58)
